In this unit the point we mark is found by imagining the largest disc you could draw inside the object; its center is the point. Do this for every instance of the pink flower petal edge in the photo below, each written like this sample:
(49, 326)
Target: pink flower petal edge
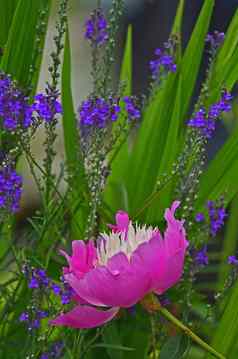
(82, 317)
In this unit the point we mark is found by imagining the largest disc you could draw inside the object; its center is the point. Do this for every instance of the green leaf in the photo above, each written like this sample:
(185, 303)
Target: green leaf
(175, 347)
(178, 18)
(126, 67)
(69, 118)
(7, 11)
(20, 45)
(116, 190)
(74, 158)
(221, 176)
(227, 327)
(229, 243)
(193, 54)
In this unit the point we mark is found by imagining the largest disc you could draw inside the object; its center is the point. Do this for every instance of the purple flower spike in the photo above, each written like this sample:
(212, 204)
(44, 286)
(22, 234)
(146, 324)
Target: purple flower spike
(215, 39)
(46, 107)
(24, 317)
(232, 260)
(199, 217)
(10, 189)
(15, 110)
(217, 216)
(96, 28)
(131, 109)
(201, 257)
(99, 112)
(204, 121)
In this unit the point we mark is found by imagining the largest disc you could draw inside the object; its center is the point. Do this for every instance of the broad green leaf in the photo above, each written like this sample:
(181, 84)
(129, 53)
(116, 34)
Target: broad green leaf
(221, 176)
(175, 347)
(229, 243)
(193, 54)
(178, 18)
(7, 11)
(74, 159)
(18, 53)
(69, 118)
(230, 43)
(225, 335)
(168, 158)
(116, 191)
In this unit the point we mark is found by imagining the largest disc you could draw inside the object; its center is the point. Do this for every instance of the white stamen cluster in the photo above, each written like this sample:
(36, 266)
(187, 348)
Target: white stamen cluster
(114, 243)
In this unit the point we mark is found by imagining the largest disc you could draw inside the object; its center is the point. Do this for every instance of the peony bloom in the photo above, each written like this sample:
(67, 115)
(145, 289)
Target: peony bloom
(127, 264)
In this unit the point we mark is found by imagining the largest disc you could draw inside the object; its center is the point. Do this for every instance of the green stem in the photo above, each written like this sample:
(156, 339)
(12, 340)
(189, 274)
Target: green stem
(189, 333)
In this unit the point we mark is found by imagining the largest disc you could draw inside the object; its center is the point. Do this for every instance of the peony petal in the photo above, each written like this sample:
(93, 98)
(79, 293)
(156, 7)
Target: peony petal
(119, 284)
(82, 317)
(122, 222)
(83, 258)
(175, 245)
(152, 254)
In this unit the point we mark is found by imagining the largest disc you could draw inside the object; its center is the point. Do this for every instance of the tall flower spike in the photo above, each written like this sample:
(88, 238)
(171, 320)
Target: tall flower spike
(164, 61)
(131, 261)
(96, 28)
(15, 110)
(10, 189)
(99, 112)
(204, 121)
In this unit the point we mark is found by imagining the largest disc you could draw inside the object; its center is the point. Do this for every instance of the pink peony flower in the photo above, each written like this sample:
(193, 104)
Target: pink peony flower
(127, 264)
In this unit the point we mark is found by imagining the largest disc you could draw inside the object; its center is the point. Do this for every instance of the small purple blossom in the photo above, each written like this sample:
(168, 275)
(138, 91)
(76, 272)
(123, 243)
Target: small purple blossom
(215, 39)
(217, 216)
(163, 63)
(201, 257)
(96, 28)
(99, 112)
(206, 121)
(56, 289)
(24, 317)
(199, 217)
(131, 109)
(47, 107)
(232, 260)
(55, 351)
(10, 189)
(15, 109)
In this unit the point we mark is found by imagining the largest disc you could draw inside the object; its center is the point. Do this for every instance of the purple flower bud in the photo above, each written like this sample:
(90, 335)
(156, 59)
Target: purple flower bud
(199, 217)
(24, 317)
(34, 283)
(96, 28)
(232, 260)
(201, 257)
(98, 112)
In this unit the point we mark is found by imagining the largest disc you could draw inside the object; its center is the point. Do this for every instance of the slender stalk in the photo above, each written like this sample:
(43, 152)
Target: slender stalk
(189, 333)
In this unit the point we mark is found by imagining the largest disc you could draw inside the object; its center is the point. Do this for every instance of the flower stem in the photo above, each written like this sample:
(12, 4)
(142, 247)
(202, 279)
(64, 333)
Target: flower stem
(189, 333)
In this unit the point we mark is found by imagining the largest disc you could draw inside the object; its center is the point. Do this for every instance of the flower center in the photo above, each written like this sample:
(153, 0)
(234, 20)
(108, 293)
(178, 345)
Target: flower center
(125, 242)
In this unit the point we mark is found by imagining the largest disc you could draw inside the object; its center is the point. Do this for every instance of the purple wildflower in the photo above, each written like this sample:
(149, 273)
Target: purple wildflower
(232, 260)
(163, 63)
(206, 121)
(131, 109)
(47, 107)
(10, 189)
(98, 112)
(96, 28)
(201, 257)
(15, 109)
(55, 351)
(199, 217)
(215, 39)
(56, 289)
(217, 216)
(24, 317)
